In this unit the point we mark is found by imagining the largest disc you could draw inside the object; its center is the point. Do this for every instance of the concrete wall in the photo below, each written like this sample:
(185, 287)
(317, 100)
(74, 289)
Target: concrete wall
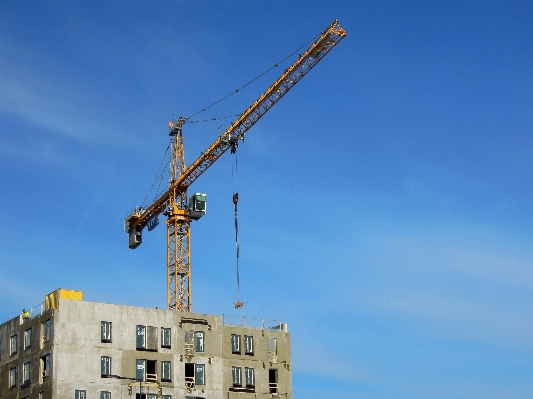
(38, 348)
(77, 350)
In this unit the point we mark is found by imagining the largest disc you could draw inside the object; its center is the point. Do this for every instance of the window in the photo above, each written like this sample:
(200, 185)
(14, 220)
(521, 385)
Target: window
(106, 366)
(199, 341)
(165, 337)
(166, 397)
(235, 343)
(194, 341)
(41, 395)
(46, 330)
(189, 342)
(248, 345)
(199, 374)
(13, 345)
(236, 376)
(105, 395)
(272, 350)
(80, 394)
(146, 370)
(165, 371)
(249, 374)
(141, 337)
(12, 378)
(194, 375)
(26, 373)
(273, 380)
(139, 369)
(105, 332)
(27, 339)
(45, 366)
(147, 338)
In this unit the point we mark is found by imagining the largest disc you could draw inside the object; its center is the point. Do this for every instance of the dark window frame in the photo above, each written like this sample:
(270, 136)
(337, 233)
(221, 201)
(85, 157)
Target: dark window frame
(249, 339)
(27, 338)
(163, 377)
(166, 337)
(236, 344)
(105, 366)
(13, 342)
(106, 331)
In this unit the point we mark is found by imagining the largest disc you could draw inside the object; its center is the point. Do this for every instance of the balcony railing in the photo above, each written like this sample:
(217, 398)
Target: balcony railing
(34, 311)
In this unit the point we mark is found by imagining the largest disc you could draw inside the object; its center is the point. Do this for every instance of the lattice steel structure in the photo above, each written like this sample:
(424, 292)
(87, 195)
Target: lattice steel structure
(173, 203)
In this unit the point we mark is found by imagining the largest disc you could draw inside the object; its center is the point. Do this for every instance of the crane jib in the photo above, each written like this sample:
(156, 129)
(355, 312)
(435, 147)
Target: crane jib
(229, 139)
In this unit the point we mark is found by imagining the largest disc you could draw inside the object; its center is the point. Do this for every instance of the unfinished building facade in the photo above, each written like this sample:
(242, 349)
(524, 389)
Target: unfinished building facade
(74, 349)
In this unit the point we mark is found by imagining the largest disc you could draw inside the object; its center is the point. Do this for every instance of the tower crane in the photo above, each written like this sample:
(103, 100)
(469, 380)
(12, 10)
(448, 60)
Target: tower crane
(174, 203)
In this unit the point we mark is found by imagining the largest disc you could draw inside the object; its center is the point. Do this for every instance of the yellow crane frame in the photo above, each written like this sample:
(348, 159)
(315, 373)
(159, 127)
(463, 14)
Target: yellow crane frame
(173, 203)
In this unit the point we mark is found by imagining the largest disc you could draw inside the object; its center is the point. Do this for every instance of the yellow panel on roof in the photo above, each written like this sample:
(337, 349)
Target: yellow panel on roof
(51, 300)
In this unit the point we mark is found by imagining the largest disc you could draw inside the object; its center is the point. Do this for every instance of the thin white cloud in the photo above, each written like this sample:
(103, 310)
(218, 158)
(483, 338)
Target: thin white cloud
(54, 100)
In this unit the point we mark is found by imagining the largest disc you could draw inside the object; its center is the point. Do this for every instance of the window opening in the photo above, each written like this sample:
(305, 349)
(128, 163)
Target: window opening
(140, 369)
(272, 350)
(166, 396)
(41, 395)
(273, 380)
(46, 330)
(105, 366)
(236, 376)
(13, 345)
(165, 371)
(151, 373)
(250, 377)
(189, 376)
(45, 367)
(248, 345)
(235, 343)
(146, 370)
(105, 332)
(165, 337)
(147, 338)
(141, 337)
(12, 378)
(194, 375)
(105, 395)
(80, 394)
(199, 341)
(200, 374)
(26, 373)
(27, 339)
(189, 342)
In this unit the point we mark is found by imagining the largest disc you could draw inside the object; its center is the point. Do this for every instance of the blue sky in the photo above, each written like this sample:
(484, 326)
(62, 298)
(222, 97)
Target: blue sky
(385, 203)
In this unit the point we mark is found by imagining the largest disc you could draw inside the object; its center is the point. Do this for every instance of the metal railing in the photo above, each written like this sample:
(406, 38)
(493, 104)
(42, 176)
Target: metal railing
(273, 387)
(251, 322)
(190, 382)
(34, 311)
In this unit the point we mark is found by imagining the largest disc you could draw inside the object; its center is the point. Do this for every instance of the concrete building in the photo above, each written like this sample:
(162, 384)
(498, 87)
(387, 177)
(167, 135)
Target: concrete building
(74, 349)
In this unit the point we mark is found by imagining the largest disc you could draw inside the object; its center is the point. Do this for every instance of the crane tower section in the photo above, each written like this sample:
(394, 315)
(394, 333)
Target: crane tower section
(173, 203)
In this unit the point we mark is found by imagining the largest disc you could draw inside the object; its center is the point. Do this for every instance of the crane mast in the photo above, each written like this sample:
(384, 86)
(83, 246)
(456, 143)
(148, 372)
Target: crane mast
(173, 203)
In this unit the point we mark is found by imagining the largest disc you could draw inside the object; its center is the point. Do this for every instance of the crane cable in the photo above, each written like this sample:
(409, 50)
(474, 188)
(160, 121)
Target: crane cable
(237, 304)
(159, 174)
(251, 81)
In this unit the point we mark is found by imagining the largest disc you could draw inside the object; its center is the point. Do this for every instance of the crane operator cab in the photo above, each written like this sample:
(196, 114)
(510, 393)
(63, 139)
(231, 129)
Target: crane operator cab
(197, 206)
